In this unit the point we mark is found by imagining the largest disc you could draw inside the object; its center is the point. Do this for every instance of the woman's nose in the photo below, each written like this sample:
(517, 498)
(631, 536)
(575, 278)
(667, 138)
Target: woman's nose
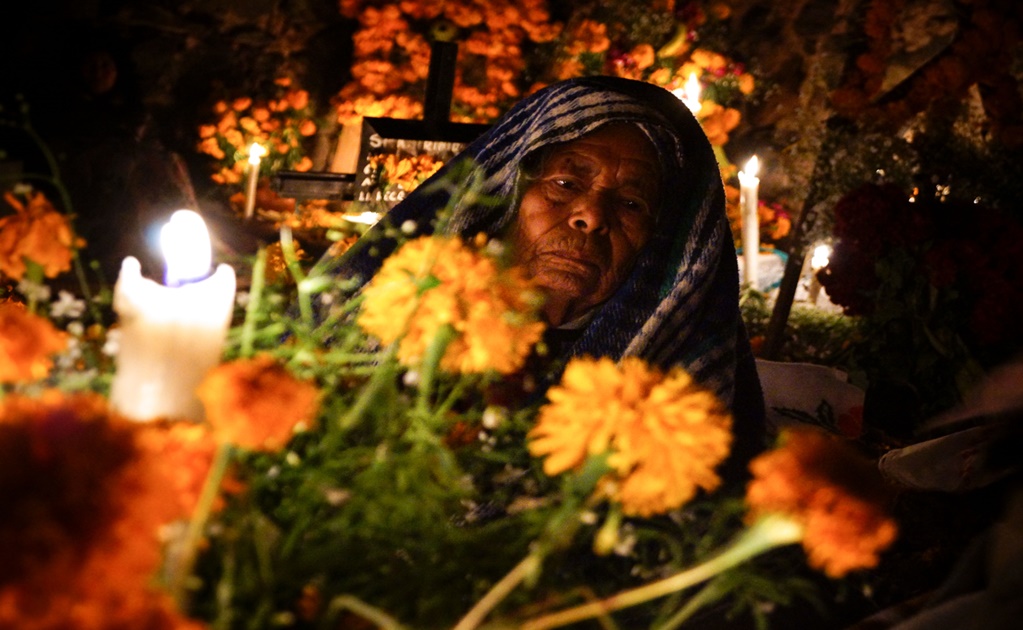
(589, 214)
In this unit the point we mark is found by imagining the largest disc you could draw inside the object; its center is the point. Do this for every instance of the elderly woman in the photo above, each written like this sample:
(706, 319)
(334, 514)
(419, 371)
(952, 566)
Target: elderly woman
(610, 196)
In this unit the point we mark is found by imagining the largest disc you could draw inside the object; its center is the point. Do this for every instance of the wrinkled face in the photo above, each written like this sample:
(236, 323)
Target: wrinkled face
(585, 217)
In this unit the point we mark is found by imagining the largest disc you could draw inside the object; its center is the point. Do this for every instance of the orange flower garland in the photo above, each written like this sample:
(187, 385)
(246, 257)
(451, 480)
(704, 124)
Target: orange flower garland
(818, 480)
(256, 403)
(280, 124)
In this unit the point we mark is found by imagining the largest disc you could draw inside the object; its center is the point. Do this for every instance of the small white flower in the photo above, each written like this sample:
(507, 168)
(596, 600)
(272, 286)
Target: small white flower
(411, 378)
(589, 517)
(494, 416)
(494, 248)
(34, 290)
(326, 298)
(409, 227)
(76, 328)
(336, 496)
(241, 298)
(626, 541)
(67, 305)
(22, 189)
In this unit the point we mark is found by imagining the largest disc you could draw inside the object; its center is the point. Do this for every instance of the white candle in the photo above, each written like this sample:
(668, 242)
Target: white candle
(256, 152)
(749, 184)
(171, 336)
(689, 94)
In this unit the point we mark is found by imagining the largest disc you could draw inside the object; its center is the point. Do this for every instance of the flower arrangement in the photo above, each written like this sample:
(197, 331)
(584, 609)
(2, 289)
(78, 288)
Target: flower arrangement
(934, 281)
(775, 219)
(932, 64)
(392, 51)
(511, 48)
(386, 457)
(280, 125)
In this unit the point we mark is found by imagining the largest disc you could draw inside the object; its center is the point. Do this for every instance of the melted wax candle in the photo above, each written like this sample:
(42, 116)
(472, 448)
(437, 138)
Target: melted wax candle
(173, 334)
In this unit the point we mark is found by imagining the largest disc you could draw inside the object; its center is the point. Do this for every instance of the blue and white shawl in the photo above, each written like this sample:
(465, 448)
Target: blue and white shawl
(679, 306)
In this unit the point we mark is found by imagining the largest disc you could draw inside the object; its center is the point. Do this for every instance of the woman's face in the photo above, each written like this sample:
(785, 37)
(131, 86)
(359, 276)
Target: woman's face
(586, 216)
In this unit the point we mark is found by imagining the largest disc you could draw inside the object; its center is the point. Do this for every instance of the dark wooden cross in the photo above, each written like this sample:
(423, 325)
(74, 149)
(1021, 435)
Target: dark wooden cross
(436, 125)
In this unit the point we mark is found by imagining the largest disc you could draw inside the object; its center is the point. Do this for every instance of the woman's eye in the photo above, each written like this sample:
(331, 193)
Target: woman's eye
(635, 205)
(561, 182)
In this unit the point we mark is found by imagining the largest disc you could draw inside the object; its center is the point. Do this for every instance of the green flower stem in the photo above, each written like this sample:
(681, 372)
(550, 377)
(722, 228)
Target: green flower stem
(434, 354)
(364, 610)
(560, 530)
(767, 533)
(379, 377)
(255, 298)
(526, 567)
(710, 592)
(189, 551)
(305, 303)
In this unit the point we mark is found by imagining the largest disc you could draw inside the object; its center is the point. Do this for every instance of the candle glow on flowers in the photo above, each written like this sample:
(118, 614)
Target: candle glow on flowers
(27, 342)
(433, 282)
(37, 232)
(88, 493)
(256, 403)
(665, 435)
(820, 482)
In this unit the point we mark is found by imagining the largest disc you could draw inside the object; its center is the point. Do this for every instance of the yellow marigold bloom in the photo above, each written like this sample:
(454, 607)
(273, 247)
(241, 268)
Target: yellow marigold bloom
(256, 403)
(27, 342)
(664, 433)
(433, 282)
(818, 480)
(38, 232)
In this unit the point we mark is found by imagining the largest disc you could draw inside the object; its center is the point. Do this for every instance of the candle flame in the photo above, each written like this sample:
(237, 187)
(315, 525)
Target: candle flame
(186, 248)
(821, 256)
(752, 167)
(690, 93)
(256, 151)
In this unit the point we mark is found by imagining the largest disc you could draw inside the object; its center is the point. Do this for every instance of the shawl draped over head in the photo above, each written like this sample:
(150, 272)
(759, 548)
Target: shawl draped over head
(679, 305)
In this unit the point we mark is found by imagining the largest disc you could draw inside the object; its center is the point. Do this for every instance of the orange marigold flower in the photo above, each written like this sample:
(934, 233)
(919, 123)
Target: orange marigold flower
(27, 342)
(589, 36)
(87, 495)
(303, 165)
(37, 232)
(665, 434)
(257, 403)
(242, 103)
(434, 282)
(298, 99)
(746, 83)
(708, 60)
(818, 480)
(206, 131)
(307, 127)
(644, 56)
